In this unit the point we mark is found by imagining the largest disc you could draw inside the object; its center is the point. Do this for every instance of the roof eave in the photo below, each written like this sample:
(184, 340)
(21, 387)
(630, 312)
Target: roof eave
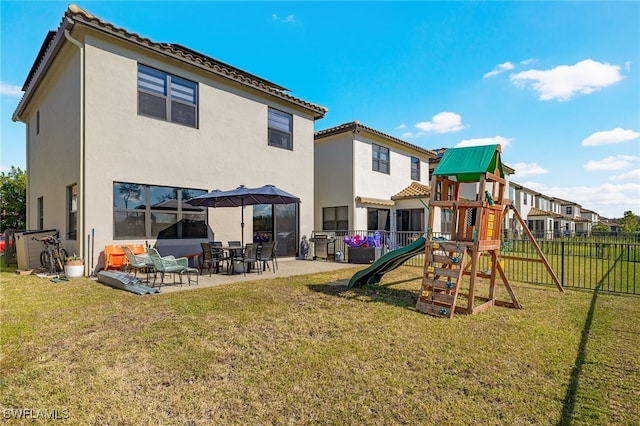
(355, 126)
(75, 15)
(46, 61)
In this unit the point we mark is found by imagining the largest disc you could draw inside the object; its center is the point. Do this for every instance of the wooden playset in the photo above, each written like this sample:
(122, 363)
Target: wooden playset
(468, 185)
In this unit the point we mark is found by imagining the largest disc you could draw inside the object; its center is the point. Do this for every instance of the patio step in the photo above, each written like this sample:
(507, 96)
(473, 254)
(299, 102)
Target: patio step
(443, 270)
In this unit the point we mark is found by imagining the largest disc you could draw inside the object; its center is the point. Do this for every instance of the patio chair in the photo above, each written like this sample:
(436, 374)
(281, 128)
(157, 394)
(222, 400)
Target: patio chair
(266, 256)
(250, 256)
(218, 254)
(171, 265)
(207, 258)
(137, 262)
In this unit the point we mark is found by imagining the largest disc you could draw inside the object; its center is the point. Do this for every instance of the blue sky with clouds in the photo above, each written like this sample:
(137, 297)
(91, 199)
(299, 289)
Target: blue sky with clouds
(556, 83)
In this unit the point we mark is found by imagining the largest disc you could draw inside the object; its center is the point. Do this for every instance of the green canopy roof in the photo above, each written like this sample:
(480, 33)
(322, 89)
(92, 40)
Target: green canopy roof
(467, 164)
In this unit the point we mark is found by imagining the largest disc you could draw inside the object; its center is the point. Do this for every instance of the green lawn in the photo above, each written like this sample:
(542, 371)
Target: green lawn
(305, 350)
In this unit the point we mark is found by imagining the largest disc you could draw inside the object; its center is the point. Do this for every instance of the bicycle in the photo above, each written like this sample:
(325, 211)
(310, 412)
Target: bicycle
(52, 257)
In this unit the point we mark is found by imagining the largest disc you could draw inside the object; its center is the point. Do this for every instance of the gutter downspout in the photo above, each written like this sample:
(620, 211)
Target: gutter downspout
(81, 183)
(353, 178)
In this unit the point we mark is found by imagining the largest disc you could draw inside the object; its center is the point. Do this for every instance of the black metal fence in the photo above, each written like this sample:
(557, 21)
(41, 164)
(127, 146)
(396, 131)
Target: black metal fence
(612, 265)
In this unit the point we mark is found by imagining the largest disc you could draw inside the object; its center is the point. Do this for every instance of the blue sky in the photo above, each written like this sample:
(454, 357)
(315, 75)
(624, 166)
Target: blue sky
(556, 83)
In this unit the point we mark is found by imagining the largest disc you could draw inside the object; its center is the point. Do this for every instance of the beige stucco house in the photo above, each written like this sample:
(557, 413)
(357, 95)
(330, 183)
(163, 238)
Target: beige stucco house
(368, 180)
(121, 130)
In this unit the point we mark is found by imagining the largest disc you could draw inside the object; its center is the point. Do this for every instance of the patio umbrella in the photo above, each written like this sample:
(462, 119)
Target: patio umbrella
(243, 196)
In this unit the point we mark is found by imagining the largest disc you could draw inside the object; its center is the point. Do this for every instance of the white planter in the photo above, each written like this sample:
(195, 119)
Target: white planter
(74, 271)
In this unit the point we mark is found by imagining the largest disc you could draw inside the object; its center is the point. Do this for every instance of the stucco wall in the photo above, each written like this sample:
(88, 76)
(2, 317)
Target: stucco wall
(333, 175)
(53, 159)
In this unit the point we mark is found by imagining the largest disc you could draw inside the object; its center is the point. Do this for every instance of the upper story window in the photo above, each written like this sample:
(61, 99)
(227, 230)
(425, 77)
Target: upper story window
(280, 129)
(524, 199)
(167, 97)
(569, 210)
(415, 168)
(380, 159)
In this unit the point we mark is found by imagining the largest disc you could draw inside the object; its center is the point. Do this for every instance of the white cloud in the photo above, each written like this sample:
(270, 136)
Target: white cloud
(617, 162)
(499, 69)
(484, 141)
(289, 19)
(527, 61)
(10, 90)
(401, 127)
(614, 136)
(528, 169)
(565, 81)
(632, 175)
(442, 122)
(411, 135)
(627, 66)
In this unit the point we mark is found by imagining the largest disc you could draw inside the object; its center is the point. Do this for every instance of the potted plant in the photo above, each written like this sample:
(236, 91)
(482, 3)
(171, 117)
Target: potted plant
(74, 267)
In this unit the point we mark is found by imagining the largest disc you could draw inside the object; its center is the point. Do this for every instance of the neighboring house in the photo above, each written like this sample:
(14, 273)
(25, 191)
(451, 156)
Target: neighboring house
(591, 216)
(121, 131)
(611, 225)
(581, 221)
(549, 217)
(368, 180)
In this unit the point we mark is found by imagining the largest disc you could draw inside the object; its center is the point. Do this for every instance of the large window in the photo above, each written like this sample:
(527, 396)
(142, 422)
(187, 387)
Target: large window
(280, 129)
(167, 97)
(415, 168)
(277, 222)
(380, 159)
(335, 218)
(147, 211)
(410, 220)
(378, 219)
(72, 212)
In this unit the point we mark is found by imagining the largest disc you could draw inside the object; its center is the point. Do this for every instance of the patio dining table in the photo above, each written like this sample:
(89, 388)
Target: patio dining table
(234, 253)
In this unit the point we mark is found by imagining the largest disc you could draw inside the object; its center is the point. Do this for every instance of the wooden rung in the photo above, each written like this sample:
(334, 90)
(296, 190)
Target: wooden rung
(447, 299)
(446, 246)
(441, 285)
(440, 311)
(446, 260)
(453, 273)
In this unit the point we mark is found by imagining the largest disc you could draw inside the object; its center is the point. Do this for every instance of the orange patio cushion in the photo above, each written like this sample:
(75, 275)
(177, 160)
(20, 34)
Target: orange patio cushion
(114, 257)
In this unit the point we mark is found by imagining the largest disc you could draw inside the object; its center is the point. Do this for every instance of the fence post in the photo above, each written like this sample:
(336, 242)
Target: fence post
(562, 263)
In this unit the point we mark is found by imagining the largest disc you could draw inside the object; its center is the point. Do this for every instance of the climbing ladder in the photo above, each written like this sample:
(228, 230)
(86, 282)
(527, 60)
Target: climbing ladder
(443, 271)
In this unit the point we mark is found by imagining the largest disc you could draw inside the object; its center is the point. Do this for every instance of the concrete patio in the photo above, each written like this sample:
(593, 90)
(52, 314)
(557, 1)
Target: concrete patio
(287, 267)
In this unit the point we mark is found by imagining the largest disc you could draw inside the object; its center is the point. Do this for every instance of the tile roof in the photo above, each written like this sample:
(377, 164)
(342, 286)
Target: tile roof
(415, 190)
(355, 126)
(538, 212)
(75, 15)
